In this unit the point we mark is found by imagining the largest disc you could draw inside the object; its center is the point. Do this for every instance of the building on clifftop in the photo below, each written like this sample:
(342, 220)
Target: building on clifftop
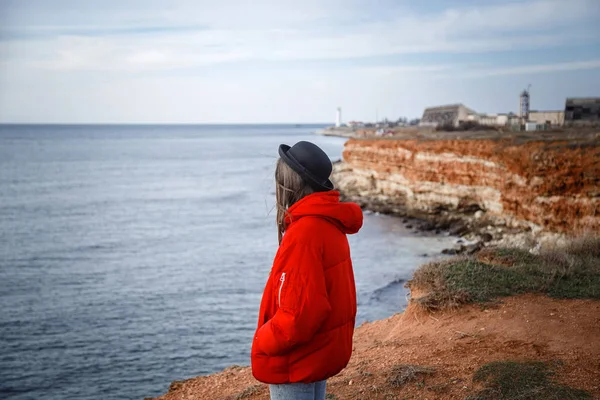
(548, 118)
(452, 114)
(582, 111)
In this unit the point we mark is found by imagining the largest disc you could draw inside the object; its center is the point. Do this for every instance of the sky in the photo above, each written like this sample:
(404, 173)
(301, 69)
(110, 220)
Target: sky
(284, 61)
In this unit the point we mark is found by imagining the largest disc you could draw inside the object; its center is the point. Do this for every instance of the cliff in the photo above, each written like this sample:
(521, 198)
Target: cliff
(504, 324)
(416, 355)
(536, 182)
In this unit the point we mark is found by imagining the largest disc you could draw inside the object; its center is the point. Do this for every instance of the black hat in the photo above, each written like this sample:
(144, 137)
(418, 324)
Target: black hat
(310, 162)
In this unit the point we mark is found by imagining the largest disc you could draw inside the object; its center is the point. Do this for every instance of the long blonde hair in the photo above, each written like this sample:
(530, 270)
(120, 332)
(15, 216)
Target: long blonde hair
(289, 189)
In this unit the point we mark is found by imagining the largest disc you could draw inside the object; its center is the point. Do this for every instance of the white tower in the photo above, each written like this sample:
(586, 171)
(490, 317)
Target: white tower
(338, 117)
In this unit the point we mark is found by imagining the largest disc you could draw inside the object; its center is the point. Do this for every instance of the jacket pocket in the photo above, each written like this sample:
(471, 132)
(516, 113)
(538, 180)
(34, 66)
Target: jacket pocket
(281, 283)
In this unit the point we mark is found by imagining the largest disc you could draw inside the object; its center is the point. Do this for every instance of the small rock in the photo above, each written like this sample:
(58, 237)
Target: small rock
(459, 230)
(471, 208)
(442, 225)
(427, 226)
(473, 248)
(350, 383)
(487, 237)
(478, 214)
(454, 251)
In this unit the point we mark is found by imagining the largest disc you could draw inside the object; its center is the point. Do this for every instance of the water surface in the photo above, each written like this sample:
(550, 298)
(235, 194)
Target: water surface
(132, 256)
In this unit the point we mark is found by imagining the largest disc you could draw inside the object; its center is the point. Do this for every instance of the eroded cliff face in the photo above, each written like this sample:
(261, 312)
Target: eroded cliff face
(544, 185)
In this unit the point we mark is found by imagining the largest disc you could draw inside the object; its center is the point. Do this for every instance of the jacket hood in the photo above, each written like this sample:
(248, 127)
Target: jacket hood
(347, 216)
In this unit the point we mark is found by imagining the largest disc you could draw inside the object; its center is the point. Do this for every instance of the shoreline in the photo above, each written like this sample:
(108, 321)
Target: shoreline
(338, 132)
(472, 230)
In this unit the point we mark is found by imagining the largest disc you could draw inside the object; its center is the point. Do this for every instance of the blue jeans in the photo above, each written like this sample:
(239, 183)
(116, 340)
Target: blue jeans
(298, 391)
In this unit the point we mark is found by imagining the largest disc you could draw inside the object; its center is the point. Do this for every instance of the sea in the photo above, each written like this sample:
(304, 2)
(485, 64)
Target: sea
(135, 255)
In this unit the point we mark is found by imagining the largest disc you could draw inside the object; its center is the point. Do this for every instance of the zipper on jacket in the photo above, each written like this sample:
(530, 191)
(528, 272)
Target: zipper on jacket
(282, 279)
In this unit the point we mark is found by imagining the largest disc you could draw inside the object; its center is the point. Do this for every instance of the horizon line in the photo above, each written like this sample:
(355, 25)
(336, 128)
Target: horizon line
(164, 123)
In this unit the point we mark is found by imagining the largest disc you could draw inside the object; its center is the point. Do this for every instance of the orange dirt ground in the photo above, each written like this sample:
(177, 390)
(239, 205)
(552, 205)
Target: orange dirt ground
(456, 343)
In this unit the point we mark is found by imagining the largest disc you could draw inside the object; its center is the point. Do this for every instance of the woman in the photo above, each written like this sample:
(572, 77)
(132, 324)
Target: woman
(308, 308)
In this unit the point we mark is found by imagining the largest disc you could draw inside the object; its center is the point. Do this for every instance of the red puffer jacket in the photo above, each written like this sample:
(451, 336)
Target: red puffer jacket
(308, 308)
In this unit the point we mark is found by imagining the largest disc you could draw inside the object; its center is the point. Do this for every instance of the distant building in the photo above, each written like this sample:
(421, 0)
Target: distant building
(582, 111)
(502, 119)
(452, 114)
(531, 126)
(338, 117)
(494, 119)
(552, 118)
(485, 119)
(355, 124)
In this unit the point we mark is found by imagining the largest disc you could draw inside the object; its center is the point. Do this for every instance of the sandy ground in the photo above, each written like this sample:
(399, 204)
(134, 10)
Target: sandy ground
(455, 343)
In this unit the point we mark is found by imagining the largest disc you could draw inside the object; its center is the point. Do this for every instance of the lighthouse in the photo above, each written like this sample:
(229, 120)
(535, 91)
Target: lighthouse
(338, 117)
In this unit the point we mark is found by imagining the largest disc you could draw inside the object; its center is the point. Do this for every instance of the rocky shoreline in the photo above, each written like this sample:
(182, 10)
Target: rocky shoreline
(344, 132)
(473, 232)
(509, 191)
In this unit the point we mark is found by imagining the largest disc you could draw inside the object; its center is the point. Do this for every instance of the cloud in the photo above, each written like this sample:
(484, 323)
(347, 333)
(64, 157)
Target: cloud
(534, 69)
(189, 34)
(519, 17)
(277, 60)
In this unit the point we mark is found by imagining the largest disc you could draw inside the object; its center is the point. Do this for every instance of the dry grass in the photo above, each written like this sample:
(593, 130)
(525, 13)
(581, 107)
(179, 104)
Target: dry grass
(580, 254)
(571, 271)
(504, 380)
(405, 373)
(248, 392)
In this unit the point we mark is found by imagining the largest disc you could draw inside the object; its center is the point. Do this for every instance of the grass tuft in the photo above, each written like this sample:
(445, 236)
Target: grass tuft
(570, 272)
(505, 380)
(405, 373)
(249, 391)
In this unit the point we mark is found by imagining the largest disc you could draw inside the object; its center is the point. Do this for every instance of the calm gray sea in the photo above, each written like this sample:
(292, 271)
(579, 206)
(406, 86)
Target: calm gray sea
(132, 256)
